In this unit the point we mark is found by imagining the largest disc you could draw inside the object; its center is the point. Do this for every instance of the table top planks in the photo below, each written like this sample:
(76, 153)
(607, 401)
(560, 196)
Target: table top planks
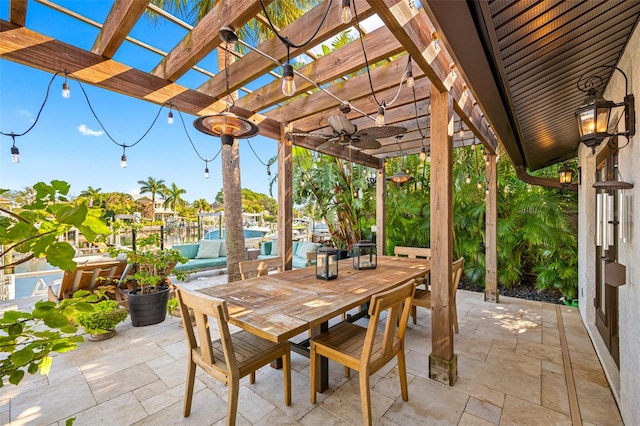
(280, 306)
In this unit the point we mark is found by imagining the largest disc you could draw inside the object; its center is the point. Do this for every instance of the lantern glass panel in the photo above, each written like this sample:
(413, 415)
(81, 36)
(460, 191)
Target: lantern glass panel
(587, 122)
(326, 263)
(365, 256)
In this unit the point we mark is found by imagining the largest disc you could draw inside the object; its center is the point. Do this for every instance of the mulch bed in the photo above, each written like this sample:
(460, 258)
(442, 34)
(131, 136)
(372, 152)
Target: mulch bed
(526, 289)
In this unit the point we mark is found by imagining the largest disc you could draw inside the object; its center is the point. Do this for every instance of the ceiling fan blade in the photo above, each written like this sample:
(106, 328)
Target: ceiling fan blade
(325, 145)
(341, 124)
(364, 143)
(379, 132)
(311, 135)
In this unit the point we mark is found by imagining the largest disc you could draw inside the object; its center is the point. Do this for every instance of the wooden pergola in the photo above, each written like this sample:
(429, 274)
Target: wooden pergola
(450, 86)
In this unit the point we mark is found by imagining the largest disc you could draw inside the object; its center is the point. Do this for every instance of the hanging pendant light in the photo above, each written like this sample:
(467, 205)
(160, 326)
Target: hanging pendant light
(226, 125)
(400, 177)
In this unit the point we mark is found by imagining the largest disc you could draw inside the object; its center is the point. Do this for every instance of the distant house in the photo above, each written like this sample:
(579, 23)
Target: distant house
(161, 212)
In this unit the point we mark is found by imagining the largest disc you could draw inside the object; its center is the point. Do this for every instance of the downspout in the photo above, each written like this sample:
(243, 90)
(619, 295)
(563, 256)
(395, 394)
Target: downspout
(540, 181)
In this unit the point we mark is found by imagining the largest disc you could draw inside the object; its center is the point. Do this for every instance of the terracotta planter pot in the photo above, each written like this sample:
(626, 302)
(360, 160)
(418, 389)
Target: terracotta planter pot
(148, 309)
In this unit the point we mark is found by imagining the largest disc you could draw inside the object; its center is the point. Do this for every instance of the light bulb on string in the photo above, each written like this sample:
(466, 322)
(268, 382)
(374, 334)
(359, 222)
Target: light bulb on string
(380, 116)
(479, 185)
(288, 83)
(123, 159)
(468, 179)
(410, 80)
(170, 117)
(429, 157)
(66, 92)
(15, 154)
(345, 12)
(206, 170)
(423, 154)
(461, 131)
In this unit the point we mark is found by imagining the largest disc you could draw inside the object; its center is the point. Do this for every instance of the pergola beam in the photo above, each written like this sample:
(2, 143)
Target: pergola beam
(253, 65)
(121, 19)
(204, 37)
(412, 28)
(343, 61)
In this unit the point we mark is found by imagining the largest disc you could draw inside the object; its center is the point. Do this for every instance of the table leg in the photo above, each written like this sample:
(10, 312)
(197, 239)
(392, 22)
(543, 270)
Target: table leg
(323, 383)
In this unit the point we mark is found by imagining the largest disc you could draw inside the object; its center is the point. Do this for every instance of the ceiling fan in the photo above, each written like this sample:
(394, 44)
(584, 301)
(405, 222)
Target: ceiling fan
(347, 134)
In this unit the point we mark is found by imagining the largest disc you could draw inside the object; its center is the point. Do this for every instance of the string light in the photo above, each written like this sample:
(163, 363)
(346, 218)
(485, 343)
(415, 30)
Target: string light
(428, 156)
(288, 83)
(410, 80)
(423, 154)
(206, 169)
(15, 153)
(468, 179)
(461, 131)
(479, 185)
(66, 92)
(170, 115)
(380, 116)
(345, 13)
(123, 159)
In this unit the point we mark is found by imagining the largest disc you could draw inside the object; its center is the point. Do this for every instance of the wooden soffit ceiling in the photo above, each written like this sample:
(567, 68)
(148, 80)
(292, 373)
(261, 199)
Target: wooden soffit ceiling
(522, 60)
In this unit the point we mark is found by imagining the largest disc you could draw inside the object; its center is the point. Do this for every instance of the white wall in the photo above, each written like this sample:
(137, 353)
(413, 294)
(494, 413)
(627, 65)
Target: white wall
(626, 382)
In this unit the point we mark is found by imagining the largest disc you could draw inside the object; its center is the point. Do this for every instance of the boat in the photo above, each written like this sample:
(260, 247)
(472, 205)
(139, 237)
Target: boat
(249, 232)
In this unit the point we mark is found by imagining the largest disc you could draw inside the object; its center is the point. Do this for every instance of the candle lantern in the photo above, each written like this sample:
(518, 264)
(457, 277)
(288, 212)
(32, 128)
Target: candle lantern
(364, 255)
(326, 263)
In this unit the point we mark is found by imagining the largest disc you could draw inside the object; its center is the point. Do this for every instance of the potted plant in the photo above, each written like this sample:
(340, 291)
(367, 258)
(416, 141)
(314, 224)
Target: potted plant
(101, 320)
(149, 283)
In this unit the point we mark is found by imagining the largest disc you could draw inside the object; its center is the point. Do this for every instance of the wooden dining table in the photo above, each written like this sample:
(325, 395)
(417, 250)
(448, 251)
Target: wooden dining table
(278, 307)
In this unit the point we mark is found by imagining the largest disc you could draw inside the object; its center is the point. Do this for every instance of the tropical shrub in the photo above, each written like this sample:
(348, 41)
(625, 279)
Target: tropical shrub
(104, 316)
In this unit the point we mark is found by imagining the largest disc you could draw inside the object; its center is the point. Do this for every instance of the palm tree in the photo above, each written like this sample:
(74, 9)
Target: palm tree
(173, 197)
(91, 193)
(154, 187)
(201, 205)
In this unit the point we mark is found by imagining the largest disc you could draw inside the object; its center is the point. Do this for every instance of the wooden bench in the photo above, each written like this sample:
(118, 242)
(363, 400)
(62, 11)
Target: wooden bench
(88, 276)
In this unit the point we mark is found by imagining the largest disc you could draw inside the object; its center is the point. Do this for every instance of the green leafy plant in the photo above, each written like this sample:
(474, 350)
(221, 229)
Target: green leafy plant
(35, 226)
(153, 264)
(29, 337)
(104, 316)
(173, 307)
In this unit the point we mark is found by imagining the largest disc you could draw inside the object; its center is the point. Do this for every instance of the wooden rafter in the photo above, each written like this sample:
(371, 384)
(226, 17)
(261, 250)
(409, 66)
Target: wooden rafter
(253, 65)
(123, 16)
(18, 12)
(204, 37)
(412, 28)
(325, 69)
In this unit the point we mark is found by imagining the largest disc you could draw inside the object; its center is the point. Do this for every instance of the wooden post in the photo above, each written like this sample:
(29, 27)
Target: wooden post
(443, 362)
(491, 292)
(380, 210)
(285, 199)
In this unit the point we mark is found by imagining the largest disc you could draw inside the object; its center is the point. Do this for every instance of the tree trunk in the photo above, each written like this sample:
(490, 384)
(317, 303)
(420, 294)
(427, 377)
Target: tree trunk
(232, 193)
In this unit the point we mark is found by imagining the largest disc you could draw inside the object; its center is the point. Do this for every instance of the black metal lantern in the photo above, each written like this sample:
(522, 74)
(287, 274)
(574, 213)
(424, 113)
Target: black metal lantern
(327, 263)
(565, 174)
(593, 119)
(365, 255)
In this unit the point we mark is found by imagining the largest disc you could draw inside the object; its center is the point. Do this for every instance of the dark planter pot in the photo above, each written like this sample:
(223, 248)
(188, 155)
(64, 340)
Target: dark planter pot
(148, 309)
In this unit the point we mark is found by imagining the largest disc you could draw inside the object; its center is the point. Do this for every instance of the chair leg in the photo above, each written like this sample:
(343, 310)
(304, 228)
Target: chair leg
(402, 372)
(454, 312)
(365, 398)
(232, 403)
(414, 314)
(286, 371)
(188, 393)
(252, 377)
(347, 372)
(313, 373)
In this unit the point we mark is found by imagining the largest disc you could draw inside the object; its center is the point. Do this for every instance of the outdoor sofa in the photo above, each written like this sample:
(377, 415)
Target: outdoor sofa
(269, 249)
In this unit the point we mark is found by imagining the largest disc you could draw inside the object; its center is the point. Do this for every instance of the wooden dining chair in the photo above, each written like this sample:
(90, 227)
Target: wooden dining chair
(422, 297)
(415, 253)
(366, 350)
(260, 267)
(230, 357)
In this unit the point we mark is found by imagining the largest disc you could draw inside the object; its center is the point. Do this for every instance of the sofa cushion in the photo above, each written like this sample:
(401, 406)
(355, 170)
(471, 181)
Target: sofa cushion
(274, 248)
(295, 247)
(265, 248)
(195, 265)
(306, 247)
(223, 249)
(190, 251)
(209, 249)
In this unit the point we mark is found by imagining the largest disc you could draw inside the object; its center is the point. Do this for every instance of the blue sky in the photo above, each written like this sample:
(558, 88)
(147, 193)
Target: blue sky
(67, 143)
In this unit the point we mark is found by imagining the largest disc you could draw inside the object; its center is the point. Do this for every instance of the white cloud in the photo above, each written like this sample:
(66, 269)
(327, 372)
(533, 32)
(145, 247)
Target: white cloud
(88, 132)
(26, 114)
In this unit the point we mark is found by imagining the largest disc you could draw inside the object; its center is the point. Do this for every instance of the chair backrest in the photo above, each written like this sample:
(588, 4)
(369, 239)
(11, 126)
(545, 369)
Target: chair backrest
(89, 276)
(412, 252)
(397, 303)
(203, 307)
(456, 273)
(259, 267)
(312, 256)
